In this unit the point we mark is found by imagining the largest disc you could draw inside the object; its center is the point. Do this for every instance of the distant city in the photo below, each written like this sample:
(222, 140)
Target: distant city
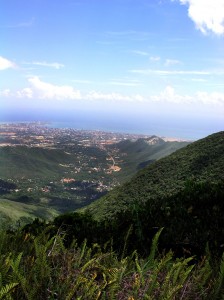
(84, 164)
(41, 134)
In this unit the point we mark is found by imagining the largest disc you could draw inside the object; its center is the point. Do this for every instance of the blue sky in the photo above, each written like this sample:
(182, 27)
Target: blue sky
(158, 61)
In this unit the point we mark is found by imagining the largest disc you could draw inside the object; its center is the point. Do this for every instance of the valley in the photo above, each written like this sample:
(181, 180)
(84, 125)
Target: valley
(59, 170)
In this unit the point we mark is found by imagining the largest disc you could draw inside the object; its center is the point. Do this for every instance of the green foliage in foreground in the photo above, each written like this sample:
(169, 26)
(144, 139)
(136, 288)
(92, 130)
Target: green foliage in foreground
(41, 267)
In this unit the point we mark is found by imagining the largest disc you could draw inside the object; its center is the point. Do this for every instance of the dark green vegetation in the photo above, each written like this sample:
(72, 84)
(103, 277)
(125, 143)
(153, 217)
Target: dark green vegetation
(39, 267)
(42, 182)
(6, 187)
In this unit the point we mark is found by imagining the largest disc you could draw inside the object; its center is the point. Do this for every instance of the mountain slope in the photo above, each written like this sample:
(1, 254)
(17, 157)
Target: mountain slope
(139, 153)
(19, 161)
(202, 160)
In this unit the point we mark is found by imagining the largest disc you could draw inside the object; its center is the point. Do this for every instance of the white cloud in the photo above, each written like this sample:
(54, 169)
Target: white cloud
(171, 62)
(173, 72)
(94, 95)
(54, 65)
(6, 93)
(114, 97)
(212, 98)
(141, 53)
(169, 95)
(25, 93)
(6, 64)
(43, 90)
(208, 15)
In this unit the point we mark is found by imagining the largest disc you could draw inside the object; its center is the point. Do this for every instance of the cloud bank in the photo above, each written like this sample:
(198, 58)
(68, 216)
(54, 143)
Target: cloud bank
(169, 95)
(43, 90)
(39, 89)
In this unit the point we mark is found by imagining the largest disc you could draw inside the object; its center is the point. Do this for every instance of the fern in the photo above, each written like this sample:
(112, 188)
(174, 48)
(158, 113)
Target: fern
(154, 272)
(47, 270)
(74, 288)
(6, 290)
(181, 271)
(5, 265)
(138, 268)
(154, 247)
(83, 251)
(219, 283)
(175, 278)
(126, 241)
(15, 264)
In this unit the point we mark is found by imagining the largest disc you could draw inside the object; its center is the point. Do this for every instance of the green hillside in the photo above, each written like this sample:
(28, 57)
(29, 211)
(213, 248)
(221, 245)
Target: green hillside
(202, 160)
(21, 161)
(143, 152)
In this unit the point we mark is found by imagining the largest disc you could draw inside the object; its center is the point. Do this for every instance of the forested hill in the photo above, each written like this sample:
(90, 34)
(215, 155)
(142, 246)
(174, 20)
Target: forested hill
(31, 162)
(144, 151)
(201, 161)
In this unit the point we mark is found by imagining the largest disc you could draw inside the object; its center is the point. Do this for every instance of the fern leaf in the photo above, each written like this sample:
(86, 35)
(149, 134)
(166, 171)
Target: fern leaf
(7, 289)
(219, 285)
(154, 247)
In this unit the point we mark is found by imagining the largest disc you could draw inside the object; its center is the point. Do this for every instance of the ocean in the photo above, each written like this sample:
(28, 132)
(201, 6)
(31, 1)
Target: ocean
(128, 127)
(181, 130)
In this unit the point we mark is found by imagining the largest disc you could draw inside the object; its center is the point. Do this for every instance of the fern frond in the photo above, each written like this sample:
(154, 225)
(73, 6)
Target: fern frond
(80, 280)
(126, 241)
(154, 247)
(7, 289)
(219, 284)
(179, 273)
(176, 278)
(83, 250)
(155, 270)
(19, 276)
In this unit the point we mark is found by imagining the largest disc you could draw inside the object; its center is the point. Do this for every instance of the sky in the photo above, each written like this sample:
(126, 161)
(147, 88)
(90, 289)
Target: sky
(146, 64)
